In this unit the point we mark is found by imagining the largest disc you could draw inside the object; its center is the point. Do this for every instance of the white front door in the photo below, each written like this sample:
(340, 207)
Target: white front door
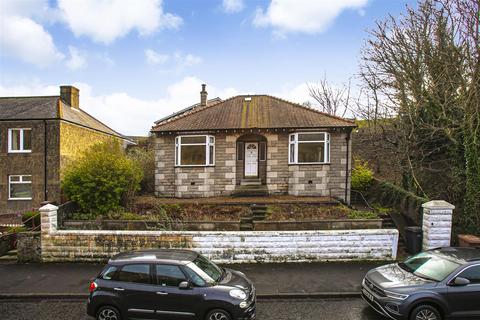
(251, 159)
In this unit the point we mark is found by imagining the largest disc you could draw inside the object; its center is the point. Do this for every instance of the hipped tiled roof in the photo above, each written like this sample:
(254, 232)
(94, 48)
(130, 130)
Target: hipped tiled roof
(49, 107)
(262, 112)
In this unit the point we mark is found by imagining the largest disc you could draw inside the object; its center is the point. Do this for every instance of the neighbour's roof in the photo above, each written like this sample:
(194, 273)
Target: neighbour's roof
(49, 107)
(251, 112)
(172, 255)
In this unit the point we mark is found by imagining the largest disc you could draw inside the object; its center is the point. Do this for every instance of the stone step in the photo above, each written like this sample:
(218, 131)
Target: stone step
(251, 182)
(10, 256)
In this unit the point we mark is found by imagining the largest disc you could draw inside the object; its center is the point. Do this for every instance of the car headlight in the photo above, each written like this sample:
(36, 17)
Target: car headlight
(397, 296)
(238, 294)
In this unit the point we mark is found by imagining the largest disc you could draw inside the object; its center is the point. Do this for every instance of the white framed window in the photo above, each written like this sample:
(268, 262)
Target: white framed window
(19, 140)
(309, 148)
(195, 150)
(20, 187)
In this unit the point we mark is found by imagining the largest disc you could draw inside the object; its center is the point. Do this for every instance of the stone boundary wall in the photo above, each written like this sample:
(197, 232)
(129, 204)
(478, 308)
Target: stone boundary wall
(221, 247)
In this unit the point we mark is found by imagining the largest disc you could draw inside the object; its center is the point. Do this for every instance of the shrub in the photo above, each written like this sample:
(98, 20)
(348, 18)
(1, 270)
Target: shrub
(31, 219)
(144, 157)
(103, 179)
(362, 176)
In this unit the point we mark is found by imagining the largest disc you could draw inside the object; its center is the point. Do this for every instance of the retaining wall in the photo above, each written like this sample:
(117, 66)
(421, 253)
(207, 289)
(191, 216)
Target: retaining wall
(222, 247)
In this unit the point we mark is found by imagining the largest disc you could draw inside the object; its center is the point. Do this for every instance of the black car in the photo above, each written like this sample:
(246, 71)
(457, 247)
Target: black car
(442, 283)
(169, 284)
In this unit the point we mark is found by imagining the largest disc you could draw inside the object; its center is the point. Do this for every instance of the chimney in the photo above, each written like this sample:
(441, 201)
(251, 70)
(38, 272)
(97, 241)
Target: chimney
(70, 95)
(203, 96)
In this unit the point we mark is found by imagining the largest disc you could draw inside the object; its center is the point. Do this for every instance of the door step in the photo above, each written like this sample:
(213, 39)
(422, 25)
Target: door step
(250, 182)
(250, 191)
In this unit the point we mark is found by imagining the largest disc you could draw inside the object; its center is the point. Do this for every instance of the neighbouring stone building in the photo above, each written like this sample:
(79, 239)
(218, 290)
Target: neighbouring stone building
(39, 136)
(254, 145)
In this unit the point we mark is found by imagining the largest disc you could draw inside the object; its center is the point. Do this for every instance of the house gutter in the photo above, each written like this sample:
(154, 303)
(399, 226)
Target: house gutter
(347, 139)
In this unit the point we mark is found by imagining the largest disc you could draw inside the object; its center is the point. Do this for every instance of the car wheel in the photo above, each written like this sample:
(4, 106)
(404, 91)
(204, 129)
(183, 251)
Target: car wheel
(218, 314)
(425, 312)
(108, 313)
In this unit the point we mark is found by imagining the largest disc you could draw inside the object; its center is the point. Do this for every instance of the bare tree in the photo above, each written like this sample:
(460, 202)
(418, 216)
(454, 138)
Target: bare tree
(331, 99)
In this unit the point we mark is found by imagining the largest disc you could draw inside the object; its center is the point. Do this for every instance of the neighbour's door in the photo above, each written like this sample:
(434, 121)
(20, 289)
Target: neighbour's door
(134, 284)
(464, 301)
(251, 159)
(171, 301)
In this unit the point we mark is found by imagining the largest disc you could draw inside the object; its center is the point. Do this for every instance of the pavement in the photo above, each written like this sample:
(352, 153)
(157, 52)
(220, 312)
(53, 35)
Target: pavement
(272, 281)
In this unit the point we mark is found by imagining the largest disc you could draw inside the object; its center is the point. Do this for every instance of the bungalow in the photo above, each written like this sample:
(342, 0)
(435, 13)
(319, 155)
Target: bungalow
(253, 144)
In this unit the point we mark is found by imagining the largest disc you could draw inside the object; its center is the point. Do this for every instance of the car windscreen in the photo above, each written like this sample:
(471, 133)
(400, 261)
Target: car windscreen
(209, 268)
(429, 266)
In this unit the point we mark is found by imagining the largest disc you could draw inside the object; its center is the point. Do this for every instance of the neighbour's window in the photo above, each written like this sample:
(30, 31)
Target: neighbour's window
(109, 273)
(169, 275)
(19, 140)
(194, 150)
(138, 273)
(472, 274)
(309, 147)
(20, 187)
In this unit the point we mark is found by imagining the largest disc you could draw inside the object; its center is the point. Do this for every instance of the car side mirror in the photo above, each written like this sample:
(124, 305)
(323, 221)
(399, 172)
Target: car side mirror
(459, 281)
(184, 285)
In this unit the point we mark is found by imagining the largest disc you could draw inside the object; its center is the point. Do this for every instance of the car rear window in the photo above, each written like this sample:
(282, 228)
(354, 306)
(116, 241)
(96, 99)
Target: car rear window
(138, 273)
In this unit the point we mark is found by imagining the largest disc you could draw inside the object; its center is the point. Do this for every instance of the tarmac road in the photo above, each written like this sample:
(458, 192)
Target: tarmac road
(326, 309)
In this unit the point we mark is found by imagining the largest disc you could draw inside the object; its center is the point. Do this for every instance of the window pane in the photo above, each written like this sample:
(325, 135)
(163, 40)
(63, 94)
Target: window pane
(168, 275)
(26, 178)
(472, 274)
(212, 140)
(263, 151)
(27, 139)
(109, 273)
(176, 154)
(193, 155)
(15, 142)
(311, 137)
(14, 178)
(193, 277)
(311, 152)
(20, 190)
(200, 139)
(240, 151)
(139, 273)
(292, 153)
(211, 155)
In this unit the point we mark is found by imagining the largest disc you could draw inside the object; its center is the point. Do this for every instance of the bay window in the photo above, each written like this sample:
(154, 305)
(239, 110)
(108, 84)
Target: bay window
(195, 150)
(309, 148)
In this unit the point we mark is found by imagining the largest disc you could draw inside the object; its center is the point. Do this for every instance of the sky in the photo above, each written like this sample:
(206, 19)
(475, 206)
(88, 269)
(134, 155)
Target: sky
(136, 61)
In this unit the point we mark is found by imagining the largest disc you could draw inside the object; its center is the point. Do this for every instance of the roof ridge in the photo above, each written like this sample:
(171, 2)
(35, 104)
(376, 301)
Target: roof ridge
(312, 109)
(193, 111)
(23, 97)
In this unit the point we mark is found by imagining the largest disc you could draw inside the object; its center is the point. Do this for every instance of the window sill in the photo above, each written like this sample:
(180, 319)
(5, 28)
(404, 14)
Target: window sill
(194, 165)
(13, 151)
(19, 199)
(310, 163)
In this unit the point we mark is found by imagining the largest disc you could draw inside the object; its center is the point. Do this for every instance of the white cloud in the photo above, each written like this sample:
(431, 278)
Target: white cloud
(24, 38)
(154, 57)
(297, 93)
(232, 6)
(187, 60)
(124, 113)
(106, 20)
(76, 60)
(305, 16)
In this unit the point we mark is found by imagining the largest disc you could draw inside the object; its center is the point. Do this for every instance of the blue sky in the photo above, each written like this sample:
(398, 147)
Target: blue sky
(138, 60)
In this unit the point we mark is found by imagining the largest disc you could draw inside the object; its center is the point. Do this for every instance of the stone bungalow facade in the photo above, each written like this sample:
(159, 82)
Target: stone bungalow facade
(39, 136)
(218, 146)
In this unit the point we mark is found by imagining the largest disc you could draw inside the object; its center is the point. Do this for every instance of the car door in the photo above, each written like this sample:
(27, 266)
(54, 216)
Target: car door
(171, 301)
(464, 301)
(135, 285)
